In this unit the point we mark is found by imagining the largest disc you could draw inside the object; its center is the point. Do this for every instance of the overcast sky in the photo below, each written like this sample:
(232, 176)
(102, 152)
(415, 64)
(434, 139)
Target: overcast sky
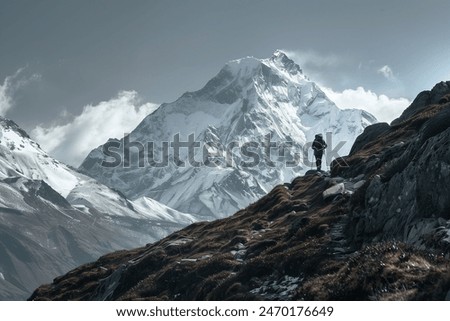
(65, 66)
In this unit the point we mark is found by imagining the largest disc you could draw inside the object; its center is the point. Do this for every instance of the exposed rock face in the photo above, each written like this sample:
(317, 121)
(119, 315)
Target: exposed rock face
(383, 234)
(407, 195)
(370, 133)
(439, 94)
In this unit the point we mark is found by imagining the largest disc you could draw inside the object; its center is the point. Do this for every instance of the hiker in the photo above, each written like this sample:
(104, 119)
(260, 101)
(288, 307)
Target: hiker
(319, 146)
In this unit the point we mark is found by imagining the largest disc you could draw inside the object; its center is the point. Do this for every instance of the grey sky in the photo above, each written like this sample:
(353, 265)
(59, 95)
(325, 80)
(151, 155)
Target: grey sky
(75, 53)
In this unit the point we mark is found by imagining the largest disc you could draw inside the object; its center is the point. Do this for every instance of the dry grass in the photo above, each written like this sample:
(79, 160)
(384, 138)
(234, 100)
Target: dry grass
(287, 242)
(388, 271)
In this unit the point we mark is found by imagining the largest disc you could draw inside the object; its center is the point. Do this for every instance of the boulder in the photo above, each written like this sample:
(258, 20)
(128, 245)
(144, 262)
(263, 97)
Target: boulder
(369, 134)
(358, 184)
(424, 99)
(334, 190)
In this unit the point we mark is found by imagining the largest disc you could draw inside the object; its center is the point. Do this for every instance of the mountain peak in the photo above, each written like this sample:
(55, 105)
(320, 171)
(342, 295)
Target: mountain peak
(11, 125)
(282, 61)
(247, 64)
(238, 76)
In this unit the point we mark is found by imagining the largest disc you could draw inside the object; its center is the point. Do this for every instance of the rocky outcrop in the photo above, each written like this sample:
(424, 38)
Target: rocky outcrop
(439, 94)
(376, 228)
(407, 196)
(370, 133)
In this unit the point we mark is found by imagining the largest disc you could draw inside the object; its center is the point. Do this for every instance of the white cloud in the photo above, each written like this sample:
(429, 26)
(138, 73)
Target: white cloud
(387, 72)
(5, 98)
(73, 140)
(313, 58)
(384, 108)
(10, 86)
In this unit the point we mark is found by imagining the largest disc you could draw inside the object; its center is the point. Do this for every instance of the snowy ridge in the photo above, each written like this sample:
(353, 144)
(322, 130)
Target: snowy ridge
(247, 100)
(65, 218)
(22, 157)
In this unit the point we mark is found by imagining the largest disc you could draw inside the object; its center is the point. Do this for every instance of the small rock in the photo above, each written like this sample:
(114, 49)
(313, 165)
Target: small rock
(334, 190)
(241, 246)
(300, 207)
(337, 180)
(188, 260)
(358, 178)
(358, 184)
(311, 172)
(179, 242)
(257, 226)
(348, 186)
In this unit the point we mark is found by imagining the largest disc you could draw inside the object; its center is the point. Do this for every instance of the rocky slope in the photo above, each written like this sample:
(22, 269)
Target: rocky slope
(376, 228)
(247, 100)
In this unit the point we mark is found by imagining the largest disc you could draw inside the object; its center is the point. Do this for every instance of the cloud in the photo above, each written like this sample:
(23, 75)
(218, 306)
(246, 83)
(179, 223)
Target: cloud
(75, 138)
(5, 98)
(384, 108)
(387, 72)
(327, 68)
(10, 86)
(311, 58)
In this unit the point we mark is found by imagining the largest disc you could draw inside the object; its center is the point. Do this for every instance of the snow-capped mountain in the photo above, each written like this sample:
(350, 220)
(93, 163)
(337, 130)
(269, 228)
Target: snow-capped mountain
(22, 157)
(53, 218)
(231, 117)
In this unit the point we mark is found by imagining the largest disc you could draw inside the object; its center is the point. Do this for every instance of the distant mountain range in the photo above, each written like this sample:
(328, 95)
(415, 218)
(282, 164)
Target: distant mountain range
(52, 218)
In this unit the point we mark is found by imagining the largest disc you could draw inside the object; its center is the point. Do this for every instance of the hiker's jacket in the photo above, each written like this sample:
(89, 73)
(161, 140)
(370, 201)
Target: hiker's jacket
(319, 146)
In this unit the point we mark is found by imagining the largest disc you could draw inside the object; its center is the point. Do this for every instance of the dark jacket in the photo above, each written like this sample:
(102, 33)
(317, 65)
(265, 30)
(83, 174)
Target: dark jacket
(318, 145)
